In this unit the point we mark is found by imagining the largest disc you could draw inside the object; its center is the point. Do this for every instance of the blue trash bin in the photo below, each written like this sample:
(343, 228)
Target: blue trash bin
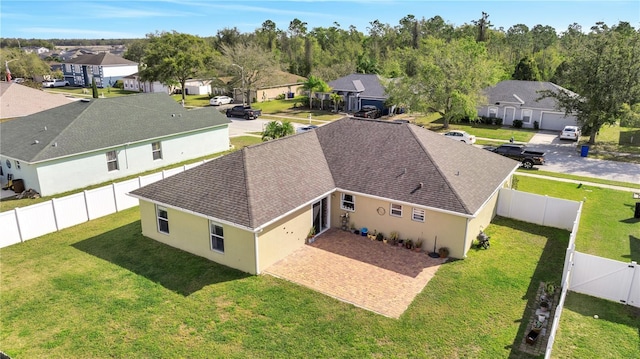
(364, 231)
(584, 151)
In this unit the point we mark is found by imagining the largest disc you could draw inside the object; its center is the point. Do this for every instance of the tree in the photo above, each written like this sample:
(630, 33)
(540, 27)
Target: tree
(173, 58)
(23, 65)
(336, 99)
(135, 50)
(311, 85)
(605, 74)
(254, 62)
(483, 25)
(277, 129)
(526, 70)
(449, 79)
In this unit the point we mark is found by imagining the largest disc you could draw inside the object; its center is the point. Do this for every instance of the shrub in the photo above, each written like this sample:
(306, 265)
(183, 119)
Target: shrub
(498, 121)
(517, 123)
(536, 125)
(280, 97)
(119, 84)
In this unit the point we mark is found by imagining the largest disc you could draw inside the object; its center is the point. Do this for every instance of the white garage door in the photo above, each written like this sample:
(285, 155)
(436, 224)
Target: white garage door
(555, 121)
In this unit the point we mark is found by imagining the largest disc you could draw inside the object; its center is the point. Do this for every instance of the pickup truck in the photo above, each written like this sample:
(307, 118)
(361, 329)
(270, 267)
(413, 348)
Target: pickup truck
(368, 111)
(520, 153)
(55, 83)
(245, 112)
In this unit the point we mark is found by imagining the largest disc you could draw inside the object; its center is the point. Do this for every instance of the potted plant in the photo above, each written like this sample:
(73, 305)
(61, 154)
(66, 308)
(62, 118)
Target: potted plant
(312, 232)
(372, 236)
(443, 252)
(380, 237)
(400, 242)
(394, 237)
(418, 245)
(408, 244)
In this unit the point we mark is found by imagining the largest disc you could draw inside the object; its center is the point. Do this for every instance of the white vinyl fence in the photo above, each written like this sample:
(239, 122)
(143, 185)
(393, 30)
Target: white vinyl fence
(39, 219)
(534, 208)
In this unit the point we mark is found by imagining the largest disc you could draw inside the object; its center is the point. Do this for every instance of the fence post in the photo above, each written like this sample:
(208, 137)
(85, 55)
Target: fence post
(55, 215)
(544, 210)
(115, 196)
(164, 174)
(86, 205)
(15, 211)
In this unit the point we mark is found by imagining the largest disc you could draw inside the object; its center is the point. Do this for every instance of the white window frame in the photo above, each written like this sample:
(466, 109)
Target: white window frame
(493, 111)
(112, 160)
(527, 113)
(418, 215)
(395, 210)
(213, 235)
(160, 219)
(344, 203)
(156, 150)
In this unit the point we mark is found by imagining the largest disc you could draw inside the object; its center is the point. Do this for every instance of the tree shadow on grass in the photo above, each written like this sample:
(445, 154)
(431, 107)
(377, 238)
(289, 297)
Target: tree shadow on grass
(174, 269)
(548, 270)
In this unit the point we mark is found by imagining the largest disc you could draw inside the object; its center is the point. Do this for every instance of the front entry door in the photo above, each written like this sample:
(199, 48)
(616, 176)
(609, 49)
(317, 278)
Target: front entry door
(321, 215)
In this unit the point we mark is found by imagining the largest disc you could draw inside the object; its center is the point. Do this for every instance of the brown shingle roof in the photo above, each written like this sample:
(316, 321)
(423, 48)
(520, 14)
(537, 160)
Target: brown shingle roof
(401, 162)
(104, 59)
(17, 100)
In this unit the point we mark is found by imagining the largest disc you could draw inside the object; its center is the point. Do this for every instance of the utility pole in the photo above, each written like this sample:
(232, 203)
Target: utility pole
(242, 75)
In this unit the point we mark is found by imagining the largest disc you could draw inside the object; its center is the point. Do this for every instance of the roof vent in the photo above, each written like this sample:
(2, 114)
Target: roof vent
(36, 142)
(85, 100)
(45, 128)
(55, 144)
(173, 115)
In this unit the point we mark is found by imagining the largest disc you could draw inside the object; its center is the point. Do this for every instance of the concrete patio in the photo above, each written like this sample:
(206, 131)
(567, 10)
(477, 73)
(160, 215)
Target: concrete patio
(368, 274)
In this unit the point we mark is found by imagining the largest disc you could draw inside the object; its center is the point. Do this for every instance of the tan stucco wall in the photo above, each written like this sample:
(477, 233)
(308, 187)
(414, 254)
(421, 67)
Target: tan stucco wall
(268, 94)
(449, 229)
(481, 221)
(190, 233)
(283, 237)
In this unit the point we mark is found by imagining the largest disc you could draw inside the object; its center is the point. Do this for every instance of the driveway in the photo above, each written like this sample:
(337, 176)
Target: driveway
(368, 274)
(564, 156)
(240, 126)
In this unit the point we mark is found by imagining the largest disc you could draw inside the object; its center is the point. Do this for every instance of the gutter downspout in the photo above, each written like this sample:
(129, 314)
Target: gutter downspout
(466, 232)
(255, 245)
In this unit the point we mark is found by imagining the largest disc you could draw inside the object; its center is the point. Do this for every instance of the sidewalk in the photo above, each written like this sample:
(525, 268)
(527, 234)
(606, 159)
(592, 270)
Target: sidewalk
(584, 183)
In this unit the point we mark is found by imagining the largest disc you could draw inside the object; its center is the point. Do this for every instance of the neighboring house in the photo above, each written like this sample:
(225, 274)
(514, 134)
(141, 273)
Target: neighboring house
(89, 142)
(359, 90)
(35, 50)
(134, 83)
(520, 100)
(253, 207)
(18, 101)
(105, 68)
(197, 87)
(276, 84)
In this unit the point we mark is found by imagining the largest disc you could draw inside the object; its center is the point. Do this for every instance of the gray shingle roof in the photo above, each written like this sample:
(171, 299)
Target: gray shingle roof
(260, 183)
(527, 91)
(369, 86)
(104, 59)
(82, 126)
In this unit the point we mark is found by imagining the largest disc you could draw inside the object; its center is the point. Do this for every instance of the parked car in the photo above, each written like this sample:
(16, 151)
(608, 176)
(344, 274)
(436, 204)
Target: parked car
(306, 128)
(520, 153)
(368, 111)
(243, 111)
(55, 83)
(220, 100)
(18, 80)
(461, 136)
(570, 133)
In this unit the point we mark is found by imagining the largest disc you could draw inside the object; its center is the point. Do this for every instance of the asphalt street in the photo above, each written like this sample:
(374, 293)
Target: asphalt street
(564, 156)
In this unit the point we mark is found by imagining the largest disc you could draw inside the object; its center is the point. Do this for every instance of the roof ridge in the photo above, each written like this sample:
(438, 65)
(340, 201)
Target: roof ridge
(247, 188)
(446, 179)
(66, 129)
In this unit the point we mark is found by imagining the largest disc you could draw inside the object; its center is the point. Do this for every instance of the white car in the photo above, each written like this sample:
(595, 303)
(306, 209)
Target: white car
(570, 133)
(220, 100)
(461, 136)
(55, 83)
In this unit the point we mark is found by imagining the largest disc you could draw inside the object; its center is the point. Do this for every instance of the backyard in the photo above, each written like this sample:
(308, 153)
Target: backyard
(157, 301)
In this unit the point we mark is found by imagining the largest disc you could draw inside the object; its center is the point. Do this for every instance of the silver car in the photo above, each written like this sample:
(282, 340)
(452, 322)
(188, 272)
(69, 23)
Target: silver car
(220, 100)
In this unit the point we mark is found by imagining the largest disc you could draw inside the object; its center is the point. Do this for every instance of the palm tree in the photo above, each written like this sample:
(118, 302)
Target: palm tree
(336, 99)
(276, 129)
(311, 85)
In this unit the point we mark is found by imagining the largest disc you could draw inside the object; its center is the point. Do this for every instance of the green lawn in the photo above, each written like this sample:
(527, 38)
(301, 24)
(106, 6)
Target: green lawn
(86, 92)
(101, 289)
(617, 139)
(580, 178)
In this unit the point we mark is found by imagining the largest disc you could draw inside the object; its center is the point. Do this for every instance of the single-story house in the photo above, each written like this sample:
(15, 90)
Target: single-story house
(253, 207)
(359, 90)
(520, 100)
(18, 101)
(92, 141)
(104, 67)
(276, 84)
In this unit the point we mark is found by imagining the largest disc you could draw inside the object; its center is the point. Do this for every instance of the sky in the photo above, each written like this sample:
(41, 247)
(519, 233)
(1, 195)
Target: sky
(108, 19)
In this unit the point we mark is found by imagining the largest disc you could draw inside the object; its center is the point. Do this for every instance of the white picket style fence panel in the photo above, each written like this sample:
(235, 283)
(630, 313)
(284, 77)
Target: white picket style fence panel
(36, 220)
(534, 208)
(70, 210)
(149, 179)
(606, 278)
(100, 202)
(124, 201)
(10, 230)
